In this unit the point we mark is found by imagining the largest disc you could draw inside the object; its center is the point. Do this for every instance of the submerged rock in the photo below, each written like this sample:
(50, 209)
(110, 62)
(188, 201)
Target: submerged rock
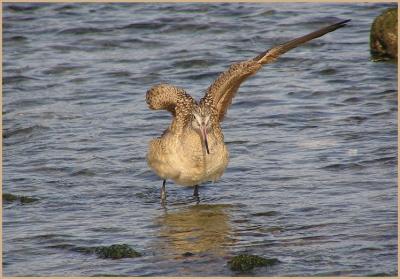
(9, 197)
(116, 251)
(23, 199)
(383, 37)
(187, 254)
(248, 262)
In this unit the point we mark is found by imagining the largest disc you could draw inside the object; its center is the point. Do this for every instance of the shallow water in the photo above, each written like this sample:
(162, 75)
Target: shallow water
(312, 139)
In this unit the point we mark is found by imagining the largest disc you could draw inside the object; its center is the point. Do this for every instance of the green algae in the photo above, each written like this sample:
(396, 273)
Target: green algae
(10, 197)
(23, 199)
(383, 36)
(116, 251)
(245, 262)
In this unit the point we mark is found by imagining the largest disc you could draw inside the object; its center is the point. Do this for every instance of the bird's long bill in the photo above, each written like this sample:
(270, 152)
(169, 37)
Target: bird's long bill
(204, 136)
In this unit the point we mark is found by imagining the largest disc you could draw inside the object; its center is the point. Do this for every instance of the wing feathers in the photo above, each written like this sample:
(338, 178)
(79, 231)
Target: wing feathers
(173, 99)
(222, 91)
(168, 97)
(273, 53)
(224, 88)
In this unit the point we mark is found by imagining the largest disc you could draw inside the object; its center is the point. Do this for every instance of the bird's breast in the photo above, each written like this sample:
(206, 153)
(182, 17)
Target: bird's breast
(185, 160)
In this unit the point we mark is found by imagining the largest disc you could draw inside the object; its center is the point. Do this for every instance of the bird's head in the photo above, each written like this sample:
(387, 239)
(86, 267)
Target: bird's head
(201, 123)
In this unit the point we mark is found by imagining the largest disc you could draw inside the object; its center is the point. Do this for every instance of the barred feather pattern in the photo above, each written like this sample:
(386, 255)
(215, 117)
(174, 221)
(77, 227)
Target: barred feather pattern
(225, 87)
(173, 99)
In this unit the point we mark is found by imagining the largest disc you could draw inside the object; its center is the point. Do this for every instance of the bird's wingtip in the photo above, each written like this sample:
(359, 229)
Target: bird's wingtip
(343, 22)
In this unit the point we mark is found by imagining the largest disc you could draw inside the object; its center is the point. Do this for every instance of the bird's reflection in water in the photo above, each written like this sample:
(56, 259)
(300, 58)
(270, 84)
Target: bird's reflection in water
(197, 229)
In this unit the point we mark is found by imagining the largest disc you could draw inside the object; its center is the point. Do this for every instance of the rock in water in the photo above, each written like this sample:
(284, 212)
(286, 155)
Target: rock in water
(244, 262)
(383, 38)
(116, 251)
(23, 199)
(9, 197)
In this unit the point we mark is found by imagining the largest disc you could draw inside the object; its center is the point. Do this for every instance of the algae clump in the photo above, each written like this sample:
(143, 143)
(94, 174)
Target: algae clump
(116, 251)
(9, 197)
(23, 199)
(248, 262)
(383, 37)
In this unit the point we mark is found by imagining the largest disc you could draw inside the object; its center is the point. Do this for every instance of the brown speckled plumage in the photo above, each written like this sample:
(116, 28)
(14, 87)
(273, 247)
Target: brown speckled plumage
(179, 154)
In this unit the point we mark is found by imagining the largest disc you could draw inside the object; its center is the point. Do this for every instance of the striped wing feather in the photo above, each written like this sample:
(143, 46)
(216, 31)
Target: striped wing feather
(173, 99)
(224, 88)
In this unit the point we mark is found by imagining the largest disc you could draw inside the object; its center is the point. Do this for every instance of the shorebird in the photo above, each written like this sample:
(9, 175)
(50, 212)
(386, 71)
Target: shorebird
(192, 149)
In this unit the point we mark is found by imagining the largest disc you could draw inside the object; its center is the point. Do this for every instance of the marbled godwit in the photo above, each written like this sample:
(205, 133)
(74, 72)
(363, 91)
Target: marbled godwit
(192, 150)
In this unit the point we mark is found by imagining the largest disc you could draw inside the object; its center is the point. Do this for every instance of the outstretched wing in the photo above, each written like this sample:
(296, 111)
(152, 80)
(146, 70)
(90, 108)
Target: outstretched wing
(173, 99)
(224, 88)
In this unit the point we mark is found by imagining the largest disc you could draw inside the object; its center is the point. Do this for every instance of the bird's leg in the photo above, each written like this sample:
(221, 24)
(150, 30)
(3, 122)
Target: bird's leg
(196, 193)
(163, 193)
